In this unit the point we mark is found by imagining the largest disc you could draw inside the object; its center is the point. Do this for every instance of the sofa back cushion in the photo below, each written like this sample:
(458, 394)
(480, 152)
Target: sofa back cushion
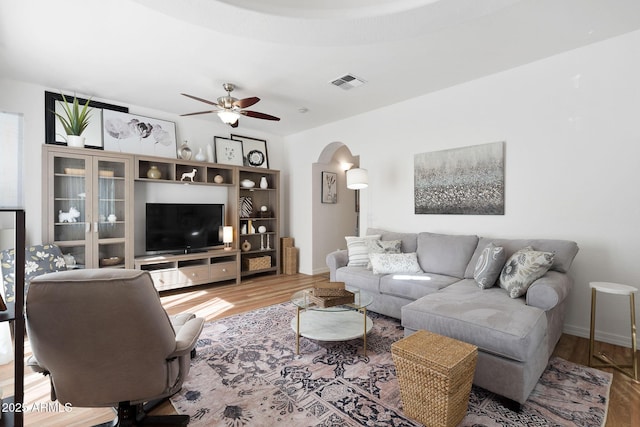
(445, 253)
(409, 242)
(564, 251)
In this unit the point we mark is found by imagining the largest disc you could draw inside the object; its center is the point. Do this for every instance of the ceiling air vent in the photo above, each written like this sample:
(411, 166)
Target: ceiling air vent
(348, 81)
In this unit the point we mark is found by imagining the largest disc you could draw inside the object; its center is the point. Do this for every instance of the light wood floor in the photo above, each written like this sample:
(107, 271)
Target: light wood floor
(214, 302)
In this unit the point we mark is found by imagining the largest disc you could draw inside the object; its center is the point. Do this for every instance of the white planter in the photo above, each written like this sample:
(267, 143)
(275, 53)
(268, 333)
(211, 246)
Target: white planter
(75, 141)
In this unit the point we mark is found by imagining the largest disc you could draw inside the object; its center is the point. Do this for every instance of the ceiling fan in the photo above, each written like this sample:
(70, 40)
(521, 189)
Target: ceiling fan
(229, 109)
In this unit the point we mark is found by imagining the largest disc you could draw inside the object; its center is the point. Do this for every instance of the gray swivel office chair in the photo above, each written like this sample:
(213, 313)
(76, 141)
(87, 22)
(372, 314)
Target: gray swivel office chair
(104, 339)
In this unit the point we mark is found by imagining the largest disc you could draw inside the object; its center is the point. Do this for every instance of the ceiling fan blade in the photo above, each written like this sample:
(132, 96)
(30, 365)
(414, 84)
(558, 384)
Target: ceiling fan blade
(246, 102)
(257, 115)
(199, 112)
(200, 99)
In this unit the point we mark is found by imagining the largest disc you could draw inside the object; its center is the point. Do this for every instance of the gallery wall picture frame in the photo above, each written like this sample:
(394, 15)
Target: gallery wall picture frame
(228, 151)
(53, 130)
(254, 151)
(329, 187)
(131, 133)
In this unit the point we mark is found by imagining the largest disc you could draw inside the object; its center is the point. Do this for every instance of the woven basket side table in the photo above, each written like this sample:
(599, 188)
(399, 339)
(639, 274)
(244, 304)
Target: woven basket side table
(435, 375)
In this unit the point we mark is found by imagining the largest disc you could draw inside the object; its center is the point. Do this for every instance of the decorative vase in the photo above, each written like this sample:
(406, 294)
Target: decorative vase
(246, 246)
(210, 157)
(75, 141)
(185, 152)
(263, 183)
(154, 172)
(200, 156)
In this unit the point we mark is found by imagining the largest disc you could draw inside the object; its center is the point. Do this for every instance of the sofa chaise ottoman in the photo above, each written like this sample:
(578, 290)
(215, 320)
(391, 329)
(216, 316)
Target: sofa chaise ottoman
(515, 335)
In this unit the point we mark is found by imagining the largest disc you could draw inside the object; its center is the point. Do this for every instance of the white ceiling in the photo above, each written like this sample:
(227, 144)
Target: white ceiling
(146, 52)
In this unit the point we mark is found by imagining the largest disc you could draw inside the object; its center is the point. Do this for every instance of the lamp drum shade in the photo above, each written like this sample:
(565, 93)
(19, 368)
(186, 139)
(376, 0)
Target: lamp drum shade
(357, 179)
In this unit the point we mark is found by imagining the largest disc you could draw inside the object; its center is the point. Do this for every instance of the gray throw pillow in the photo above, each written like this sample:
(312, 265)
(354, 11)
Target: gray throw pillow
(382, 247)
(489, 266)
(523, 268)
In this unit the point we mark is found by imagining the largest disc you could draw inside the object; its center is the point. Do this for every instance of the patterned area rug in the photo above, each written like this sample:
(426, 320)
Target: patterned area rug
(246, 373)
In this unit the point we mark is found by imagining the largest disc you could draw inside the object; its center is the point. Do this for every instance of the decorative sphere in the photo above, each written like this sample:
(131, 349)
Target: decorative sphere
(262, 229)
(218, 179)
(263, 208)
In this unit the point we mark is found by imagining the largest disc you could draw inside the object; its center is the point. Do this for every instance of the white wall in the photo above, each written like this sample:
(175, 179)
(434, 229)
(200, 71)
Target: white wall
(572, 135)
(28, 99)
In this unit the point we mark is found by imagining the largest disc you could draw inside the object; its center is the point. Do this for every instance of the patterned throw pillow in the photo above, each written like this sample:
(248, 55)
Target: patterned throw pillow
(39, 259)
(358, 251)
(489, 266)
(395, 263)
(383, 247)
(523, 268)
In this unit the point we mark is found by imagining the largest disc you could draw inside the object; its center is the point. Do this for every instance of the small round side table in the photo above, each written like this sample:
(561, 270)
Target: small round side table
(607, 362)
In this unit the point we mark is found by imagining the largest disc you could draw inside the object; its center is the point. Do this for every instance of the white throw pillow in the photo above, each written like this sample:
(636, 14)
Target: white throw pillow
(395, 263)
(358, 250)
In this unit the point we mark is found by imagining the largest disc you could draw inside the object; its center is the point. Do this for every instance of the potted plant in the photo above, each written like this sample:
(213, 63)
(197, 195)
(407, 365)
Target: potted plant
(74, 120)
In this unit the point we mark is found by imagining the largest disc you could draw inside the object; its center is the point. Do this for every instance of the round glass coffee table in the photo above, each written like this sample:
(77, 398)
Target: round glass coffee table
(338, 323)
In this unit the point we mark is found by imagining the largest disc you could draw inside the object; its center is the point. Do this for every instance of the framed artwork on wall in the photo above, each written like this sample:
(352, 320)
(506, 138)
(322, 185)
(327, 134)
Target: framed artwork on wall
(254, 151)
(228, 151)
(54, 132)
(460, 181)
(329, 187)
(130, 133)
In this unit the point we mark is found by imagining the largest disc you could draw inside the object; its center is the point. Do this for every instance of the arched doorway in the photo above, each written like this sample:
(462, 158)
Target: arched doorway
(331, 222)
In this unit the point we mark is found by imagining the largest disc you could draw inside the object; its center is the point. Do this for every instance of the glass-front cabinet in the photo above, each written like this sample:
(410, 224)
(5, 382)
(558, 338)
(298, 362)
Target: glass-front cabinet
(88, 209)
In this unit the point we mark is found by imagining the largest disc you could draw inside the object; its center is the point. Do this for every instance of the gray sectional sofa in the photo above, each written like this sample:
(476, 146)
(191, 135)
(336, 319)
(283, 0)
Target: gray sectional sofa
(515, 336)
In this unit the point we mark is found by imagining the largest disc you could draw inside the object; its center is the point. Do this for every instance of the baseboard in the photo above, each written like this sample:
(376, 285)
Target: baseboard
(320, 271)
(621, 340)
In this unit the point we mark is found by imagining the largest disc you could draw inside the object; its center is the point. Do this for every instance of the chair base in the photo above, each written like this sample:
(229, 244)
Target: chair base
(135, 415)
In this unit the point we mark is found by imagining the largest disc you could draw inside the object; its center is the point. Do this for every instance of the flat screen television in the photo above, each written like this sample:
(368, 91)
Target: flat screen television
(183, 227)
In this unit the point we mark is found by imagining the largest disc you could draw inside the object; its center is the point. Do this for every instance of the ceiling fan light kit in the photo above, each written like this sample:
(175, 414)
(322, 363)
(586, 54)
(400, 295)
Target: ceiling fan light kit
(229, 109)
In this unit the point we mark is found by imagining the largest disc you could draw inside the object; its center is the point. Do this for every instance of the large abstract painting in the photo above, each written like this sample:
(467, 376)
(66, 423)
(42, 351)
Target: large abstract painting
(464, 181)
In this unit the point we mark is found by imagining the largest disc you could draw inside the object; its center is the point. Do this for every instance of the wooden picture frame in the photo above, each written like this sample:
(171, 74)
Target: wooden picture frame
(53, 130)
(228, 151)
(329, 187)
(254, 151)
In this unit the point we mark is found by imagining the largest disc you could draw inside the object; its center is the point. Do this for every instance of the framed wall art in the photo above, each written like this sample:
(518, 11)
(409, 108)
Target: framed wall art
(130, 133)
(54, 132)
(329, 187)
(254, 151)
(228, 151)
(463, 181)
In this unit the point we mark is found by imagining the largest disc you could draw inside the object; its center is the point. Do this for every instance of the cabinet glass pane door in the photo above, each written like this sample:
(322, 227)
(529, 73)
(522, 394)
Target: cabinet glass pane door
(71, 218)
(111, 212)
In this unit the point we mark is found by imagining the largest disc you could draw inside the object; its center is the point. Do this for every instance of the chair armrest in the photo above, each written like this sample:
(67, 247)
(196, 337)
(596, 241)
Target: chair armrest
(549, 290)
(335, 260)
(187, 336)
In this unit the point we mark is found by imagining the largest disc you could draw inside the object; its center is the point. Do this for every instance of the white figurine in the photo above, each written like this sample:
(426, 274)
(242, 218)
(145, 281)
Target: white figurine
(191, 175)
(69, 216)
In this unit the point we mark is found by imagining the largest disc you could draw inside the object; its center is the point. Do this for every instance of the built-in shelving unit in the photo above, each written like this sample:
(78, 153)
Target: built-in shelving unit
(97, 184)
(260, 250)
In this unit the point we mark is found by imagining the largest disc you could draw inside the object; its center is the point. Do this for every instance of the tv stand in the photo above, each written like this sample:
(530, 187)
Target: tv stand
(171, 271)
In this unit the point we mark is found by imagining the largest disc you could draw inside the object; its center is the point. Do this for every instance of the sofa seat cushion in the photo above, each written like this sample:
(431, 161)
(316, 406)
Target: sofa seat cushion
(415, 285)
(487, 318)
(359, 277)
